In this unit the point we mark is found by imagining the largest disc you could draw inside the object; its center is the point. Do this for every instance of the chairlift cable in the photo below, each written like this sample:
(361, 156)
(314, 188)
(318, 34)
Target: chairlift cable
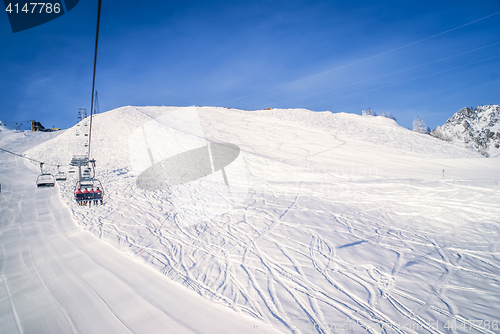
(93, 77)
(22, 156)
(85, 197)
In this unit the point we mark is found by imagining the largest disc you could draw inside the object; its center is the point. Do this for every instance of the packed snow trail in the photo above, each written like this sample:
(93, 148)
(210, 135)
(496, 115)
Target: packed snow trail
(349, 224)
(57, 278)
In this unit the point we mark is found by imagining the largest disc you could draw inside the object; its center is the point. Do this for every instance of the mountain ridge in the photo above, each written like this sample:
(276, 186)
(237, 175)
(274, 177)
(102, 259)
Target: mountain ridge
(475, 127)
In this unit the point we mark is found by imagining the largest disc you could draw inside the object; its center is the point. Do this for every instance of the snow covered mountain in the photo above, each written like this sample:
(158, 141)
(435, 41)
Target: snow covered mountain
(344, 221)
(479, 128)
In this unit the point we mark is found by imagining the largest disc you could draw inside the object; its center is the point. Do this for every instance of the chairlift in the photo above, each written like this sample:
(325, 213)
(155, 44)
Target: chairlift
(86, 173)
(72, 170)
(88, 190)
(60, 176)
(45, 180)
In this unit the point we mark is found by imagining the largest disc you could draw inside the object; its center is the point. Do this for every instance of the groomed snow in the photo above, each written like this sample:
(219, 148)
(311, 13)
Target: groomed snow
(57, 278)
(350, 224)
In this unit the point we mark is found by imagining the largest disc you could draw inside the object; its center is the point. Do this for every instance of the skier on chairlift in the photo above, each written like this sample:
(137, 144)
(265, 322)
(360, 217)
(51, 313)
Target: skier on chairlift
(91, 196)
(79, 196)
(97, 196)
(85, 193)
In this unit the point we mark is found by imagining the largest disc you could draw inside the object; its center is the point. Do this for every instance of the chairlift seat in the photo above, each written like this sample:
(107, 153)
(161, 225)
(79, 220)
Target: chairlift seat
(61, 176)
(86, 183)
(86, 174)
(89, 183)
(45, 180)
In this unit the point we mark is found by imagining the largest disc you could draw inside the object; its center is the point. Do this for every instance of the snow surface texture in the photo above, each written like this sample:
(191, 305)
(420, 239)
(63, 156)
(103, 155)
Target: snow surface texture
(57, 278)
(349, 222)
(479, 128)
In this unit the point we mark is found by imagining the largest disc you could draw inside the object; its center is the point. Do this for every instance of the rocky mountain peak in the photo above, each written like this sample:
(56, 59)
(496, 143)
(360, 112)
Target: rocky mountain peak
(477, 127)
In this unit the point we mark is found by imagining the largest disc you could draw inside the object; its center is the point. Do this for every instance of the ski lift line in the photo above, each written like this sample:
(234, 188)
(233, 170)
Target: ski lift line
(96, 104)
(95, 64)
(362, 60)
(34, 160)
(381, 76)
(405, 81)
(19, 155)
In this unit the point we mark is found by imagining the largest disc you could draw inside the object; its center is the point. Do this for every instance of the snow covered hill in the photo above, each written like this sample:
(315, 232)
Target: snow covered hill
(346, 221)
(57, 278)
(479, 128)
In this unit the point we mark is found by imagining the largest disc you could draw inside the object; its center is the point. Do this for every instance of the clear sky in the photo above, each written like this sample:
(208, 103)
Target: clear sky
(411, 58)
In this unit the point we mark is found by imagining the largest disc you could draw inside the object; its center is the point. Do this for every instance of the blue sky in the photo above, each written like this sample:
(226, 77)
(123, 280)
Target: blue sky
(425, 58)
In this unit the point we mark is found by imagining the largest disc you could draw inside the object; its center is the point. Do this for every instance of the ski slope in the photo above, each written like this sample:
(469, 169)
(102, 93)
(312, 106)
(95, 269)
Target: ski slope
(57, 278)
(348, 224)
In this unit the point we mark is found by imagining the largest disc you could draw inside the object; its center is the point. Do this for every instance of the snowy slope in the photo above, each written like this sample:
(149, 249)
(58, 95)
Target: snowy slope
(478, 128)
(57, 278)
(347, 220)
(378, 130)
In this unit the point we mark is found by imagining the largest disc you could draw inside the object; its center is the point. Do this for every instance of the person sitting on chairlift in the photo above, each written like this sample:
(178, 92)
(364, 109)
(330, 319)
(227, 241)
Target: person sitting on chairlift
(85, 196)
(91, 196)
(79, 196)
(97, 196)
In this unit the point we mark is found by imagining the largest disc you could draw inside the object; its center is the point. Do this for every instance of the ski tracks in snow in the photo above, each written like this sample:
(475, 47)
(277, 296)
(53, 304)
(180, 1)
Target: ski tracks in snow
(312, 250)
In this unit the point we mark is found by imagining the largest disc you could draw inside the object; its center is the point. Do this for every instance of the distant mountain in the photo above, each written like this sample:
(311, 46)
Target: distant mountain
(478, 128)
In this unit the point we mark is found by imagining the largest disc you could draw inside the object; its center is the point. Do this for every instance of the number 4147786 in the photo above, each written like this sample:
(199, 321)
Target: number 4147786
(34, 8)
